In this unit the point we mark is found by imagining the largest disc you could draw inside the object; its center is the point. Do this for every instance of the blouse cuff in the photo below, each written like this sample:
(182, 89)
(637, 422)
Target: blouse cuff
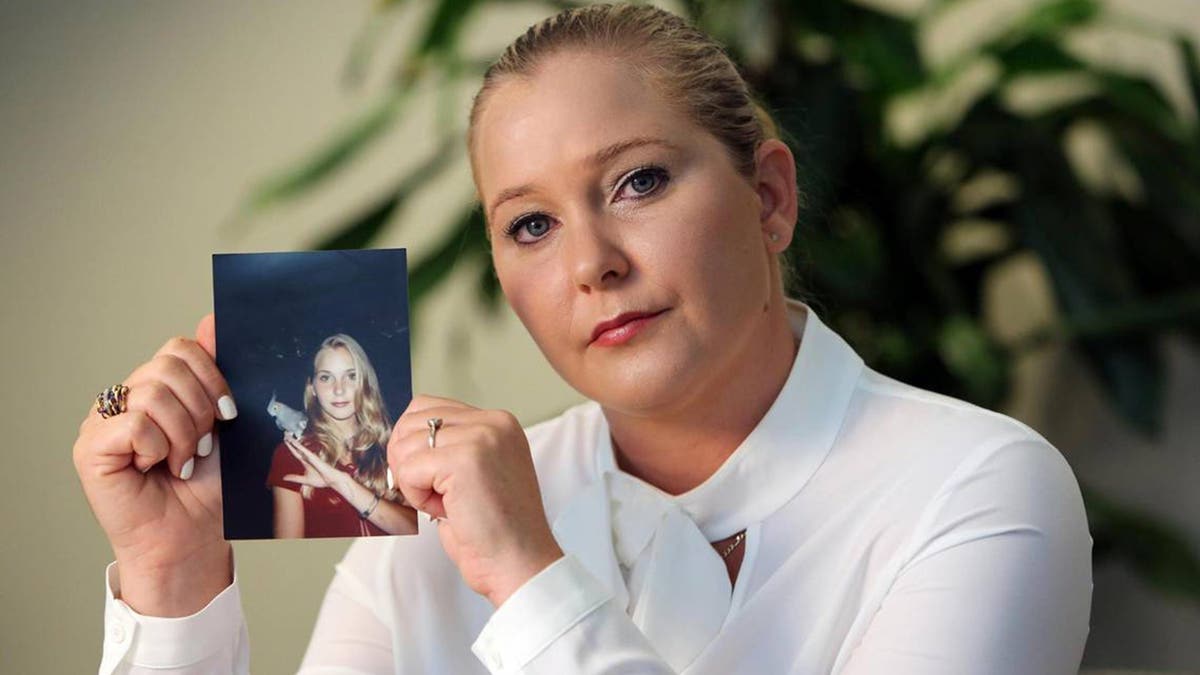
(537, 614)
(159, 642)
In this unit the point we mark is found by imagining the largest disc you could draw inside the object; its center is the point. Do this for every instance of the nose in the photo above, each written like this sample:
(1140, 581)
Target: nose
(597, 257)
(338, 385)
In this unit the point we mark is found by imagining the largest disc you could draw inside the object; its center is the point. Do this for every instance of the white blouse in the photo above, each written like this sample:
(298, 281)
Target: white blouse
(889, 530)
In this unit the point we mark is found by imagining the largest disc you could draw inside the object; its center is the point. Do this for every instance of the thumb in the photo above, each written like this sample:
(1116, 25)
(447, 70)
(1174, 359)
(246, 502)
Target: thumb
(206, 334)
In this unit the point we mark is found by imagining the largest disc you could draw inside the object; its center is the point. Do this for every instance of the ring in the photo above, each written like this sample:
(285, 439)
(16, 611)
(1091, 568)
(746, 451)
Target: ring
(434, 423)
(112, 401)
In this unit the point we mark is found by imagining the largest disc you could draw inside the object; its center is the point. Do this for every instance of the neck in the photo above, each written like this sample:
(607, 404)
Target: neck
(677, 449)
(346, 429)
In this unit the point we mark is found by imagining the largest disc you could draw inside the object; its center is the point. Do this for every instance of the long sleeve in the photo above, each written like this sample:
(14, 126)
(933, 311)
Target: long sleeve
(999, 576)
(213, 640)
(563, 621)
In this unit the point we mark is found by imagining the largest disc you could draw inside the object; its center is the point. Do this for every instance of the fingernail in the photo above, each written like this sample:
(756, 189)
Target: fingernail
(227, 407)
(391, 482)
(186, 472)
(204, 447)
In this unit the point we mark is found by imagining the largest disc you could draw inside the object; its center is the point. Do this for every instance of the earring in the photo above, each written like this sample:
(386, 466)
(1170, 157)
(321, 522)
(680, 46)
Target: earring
(774, 236)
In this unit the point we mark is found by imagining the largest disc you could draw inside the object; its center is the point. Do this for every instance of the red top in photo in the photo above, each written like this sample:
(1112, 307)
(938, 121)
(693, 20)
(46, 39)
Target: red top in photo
(326, 513)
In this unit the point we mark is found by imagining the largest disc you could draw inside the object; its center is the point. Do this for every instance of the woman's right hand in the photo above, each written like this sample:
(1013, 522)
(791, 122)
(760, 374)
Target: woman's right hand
(151, 476)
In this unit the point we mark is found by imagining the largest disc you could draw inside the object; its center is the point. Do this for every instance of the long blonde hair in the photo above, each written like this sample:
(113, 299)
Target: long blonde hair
(368, 447)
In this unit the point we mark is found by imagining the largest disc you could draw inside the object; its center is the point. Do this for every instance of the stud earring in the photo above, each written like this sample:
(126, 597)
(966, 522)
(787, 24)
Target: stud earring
(774, 236)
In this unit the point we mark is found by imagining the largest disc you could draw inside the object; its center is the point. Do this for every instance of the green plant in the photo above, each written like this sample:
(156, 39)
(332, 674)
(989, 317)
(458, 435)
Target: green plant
(883, 206)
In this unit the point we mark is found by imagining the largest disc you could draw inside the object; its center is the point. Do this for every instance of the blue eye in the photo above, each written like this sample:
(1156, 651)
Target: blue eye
(649, 178)
(645, 180)
(537, 225)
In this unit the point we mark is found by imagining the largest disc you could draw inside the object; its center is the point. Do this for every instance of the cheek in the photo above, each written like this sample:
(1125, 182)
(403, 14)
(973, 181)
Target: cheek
(711, 252)
(694, 243)
(541, 300)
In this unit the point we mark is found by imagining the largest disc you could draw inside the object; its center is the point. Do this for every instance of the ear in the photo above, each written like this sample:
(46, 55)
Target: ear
(775, 184)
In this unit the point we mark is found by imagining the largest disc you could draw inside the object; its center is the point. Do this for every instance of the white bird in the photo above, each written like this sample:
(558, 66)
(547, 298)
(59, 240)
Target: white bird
(287, 419)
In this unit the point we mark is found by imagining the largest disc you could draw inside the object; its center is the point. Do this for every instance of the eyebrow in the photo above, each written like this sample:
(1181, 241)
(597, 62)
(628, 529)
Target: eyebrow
(599, 158)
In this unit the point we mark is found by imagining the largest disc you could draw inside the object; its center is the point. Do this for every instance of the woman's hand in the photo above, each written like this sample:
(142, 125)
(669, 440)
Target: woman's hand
(317, 472)
(152, 483)
(480, 479)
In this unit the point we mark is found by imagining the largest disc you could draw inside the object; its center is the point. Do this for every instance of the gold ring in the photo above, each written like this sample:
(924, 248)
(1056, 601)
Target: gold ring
(434, 423)
(112, 401)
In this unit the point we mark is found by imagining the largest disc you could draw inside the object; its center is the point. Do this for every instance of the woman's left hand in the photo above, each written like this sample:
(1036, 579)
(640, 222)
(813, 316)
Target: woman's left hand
(318, 473)
(480, 479)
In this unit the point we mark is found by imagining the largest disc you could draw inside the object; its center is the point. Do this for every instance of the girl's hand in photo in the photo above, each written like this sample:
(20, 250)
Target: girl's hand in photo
(318, 473)
(480, 479)
(151, 476)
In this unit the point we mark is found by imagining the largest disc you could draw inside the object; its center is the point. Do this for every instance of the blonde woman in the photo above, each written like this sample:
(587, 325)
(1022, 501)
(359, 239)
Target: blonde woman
(741, 494)
(331, 482)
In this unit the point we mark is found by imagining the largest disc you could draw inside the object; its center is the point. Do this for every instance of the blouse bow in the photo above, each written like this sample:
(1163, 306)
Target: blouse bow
(657, 564)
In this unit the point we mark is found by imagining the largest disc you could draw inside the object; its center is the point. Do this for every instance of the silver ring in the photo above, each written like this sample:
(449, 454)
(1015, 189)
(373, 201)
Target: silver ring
(434, 423)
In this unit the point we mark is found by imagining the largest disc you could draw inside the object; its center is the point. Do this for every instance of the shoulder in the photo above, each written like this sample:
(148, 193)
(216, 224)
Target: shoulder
(930, 431)
(940, 460)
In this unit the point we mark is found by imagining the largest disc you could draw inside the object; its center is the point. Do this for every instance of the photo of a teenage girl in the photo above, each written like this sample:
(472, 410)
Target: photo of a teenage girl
(328, 474)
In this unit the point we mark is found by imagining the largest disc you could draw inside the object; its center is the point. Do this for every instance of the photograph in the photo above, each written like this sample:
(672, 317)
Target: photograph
(315, 347)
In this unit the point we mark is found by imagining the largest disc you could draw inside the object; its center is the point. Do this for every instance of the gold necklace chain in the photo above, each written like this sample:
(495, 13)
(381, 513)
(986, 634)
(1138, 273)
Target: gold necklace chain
(729, 549)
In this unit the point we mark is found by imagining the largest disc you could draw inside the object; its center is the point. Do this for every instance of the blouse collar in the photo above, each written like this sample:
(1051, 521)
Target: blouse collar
(781, 453)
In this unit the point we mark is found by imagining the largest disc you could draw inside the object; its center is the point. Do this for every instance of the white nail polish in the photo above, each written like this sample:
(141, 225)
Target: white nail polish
(186, 472)
(204, 447)
(391, 482)
(227, 407)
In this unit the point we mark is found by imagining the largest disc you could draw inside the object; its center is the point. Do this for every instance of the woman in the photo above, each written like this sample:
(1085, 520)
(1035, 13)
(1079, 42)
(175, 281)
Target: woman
(740, 494)
(331, 482)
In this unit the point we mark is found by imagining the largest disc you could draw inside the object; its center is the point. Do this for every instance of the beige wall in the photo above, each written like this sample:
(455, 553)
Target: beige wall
(127, 133)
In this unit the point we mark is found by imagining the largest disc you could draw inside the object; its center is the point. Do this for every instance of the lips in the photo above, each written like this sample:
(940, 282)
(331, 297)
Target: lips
(341, 404)
(616, 329)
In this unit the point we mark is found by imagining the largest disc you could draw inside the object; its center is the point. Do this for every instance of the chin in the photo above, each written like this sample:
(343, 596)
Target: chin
(652, 382)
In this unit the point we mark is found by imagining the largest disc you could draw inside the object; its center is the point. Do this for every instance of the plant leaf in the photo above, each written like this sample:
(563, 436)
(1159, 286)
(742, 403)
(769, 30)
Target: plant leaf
(332, 156)
(445, 23)
(973, 357)
(1051, 18)
(1035, 54)
(460, 246)
(366, 42)
(1191, 67)
(489, 291)
(361, 231)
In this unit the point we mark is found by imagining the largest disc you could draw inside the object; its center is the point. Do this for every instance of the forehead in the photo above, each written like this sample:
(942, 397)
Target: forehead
(334, 357)
(535, 128)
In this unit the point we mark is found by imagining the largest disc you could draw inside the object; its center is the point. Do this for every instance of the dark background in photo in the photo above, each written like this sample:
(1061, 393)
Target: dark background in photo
(272, 312)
